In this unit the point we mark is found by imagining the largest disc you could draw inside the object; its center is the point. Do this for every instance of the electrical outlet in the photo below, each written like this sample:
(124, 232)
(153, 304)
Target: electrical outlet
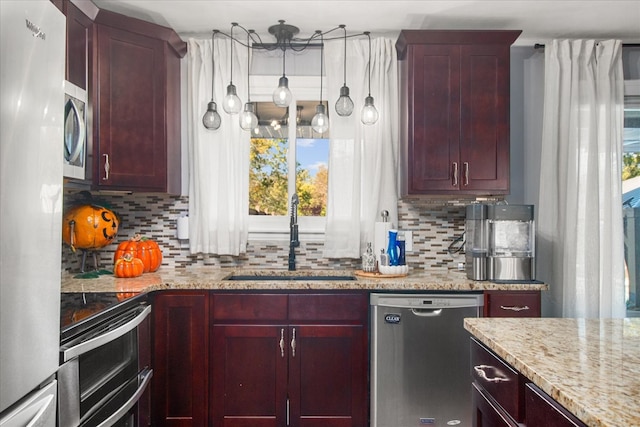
(408, 240)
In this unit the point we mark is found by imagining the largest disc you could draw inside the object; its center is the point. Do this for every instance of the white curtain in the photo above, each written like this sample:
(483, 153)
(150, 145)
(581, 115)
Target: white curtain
(580, 207)
(363, 159)
(218, 160)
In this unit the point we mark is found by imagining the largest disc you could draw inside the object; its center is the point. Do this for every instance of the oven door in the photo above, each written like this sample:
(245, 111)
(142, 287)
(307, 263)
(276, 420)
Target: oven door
(104, 370)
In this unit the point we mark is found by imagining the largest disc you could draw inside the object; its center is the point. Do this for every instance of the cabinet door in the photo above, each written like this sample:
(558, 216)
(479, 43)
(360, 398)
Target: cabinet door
(433, 118)
(487, 413)
(180, 362)
(249, 375)
(79, 39)
(131, 146)
(512, 304)
(327, 376)
(484, 118)
(542, 411)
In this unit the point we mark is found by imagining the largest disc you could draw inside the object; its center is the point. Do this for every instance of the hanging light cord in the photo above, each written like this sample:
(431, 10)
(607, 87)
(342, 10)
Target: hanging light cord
(248, 65)
(345, 53)
(233, 24)
(284, 62)
(321, 62)
(368, 34)
(213, 63)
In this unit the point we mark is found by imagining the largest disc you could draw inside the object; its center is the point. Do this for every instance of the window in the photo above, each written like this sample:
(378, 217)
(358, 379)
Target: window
(631, 196)
(279, 168)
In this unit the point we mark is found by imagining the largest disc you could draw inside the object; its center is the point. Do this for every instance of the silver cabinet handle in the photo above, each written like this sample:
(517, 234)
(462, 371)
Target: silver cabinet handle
(465, 166)
(282, 342)
(107, 167)
(455, 174)
(293, 343)
(515, 307)
(480, 370)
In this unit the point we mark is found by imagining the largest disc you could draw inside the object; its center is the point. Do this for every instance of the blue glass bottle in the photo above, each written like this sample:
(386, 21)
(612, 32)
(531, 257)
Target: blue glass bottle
(392, 248)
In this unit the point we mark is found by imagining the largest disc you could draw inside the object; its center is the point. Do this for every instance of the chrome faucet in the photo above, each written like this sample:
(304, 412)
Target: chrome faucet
(293, 232)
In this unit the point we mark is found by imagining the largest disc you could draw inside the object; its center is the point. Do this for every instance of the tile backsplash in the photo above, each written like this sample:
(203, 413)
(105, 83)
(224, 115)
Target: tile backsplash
(435, 224)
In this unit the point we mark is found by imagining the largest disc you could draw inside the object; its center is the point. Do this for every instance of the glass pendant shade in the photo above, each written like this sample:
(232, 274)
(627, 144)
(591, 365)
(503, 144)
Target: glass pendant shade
(282, 94)
(211, 119)
(231, 103)
(320, 122)
(248, 118)
(369, 112)
(344, 105)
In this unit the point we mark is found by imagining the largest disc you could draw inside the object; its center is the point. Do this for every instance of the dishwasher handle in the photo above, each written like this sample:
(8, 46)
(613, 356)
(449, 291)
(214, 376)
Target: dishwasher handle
(427, 312)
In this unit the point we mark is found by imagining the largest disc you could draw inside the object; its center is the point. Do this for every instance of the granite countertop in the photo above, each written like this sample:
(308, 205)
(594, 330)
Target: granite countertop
(214, 278)
(590, 366)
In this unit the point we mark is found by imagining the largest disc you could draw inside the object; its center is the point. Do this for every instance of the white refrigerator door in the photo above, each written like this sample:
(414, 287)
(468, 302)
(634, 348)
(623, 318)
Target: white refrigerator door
(32, 51)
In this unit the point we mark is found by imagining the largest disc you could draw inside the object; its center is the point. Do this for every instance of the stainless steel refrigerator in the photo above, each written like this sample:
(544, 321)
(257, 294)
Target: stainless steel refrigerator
(32, 42)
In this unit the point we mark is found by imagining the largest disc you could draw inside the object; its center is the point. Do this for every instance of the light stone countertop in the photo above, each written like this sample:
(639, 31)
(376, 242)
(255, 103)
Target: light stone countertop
(590, 366)
(213, 278)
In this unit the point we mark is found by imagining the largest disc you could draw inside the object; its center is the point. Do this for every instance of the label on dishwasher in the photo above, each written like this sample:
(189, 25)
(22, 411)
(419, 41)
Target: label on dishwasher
(392, 318)
(427, 421)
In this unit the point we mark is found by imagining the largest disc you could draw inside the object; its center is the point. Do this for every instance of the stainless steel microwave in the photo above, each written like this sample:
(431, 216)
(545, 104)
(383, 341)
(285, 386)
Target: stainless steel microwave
(75, 131)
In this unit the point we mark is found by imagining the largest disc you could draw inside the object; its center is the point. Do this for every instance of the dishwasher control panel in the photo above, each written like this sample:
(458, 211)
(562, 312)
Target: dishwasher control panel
(427, 301)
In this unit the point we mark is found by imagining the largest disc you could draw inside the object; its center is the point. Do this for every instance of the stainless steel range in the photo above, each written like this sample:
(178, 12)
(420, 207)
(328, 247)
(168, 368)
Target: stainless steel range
(105, 360)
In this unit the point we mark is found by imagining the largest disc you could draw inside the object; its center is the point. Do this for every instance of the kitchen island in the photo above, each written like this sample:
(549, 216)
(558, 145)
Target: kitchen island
(589, 366)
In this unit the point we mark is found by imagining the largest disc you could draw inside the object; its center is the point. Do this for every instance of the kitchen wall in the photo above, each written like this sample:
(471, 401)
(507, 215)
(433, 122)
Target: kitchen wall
(435, 224)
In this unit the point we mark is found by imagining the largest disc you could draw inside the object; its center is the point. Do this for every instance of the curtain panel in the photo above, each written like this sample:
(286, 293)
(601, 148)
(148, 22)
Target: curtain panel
(218, 160)
(580, 230)
(363, 159)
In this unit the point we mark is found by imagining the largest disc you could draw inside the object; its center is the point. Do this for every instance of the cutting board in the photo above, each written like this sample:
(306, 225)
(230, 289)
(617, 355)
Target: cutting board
(377, 275)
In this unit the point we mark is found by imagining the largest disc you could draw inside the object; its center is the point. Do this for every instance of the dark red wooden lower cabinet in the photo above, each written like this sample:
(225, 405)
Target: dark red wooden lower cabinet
(542, 411)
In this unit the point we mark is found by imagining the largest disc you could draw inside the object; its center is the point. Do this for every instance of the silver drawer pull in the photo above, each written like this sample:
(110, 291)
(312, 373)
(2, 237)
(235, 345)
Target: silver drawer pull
(480, 370)
(515, 307)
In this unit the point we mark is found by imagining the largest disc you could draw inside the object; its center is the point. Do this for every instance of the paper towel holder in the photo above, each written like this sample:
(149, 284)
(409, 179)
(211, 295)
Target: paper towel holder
(182, 227)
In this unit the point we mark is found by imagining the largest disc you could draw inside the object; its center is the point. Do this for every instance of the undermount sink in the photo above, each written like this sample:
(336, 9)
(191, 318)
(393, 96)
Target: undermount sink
(290, 275)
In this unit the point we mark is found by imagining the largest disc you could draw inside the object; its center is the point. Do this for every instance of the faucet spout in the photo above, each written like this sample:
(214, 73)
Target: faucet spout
(293, 232)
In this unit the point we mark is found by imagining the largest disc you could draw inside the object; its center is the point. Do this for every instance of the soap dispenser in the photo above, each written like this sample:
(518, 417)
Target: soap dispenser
(392, 248)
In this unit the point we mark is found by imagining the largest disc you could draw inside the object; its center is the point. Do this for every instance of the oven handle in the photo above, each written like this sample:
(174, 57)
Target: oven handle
(100, 340)
(145, 376)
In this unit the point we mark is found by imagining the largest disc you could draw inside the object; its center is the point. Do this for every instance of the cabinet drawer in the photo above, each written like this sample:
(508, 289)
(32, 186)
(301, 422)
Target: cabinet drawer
(348, 307)
(498, 379)
(542, 411)
(512, 304)
(249, 307)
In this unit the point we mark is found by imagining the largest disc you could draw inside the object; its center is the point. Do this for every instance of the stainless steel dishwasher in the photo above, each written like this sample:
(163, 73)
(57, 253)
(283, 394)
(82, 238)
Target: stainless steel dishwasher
(420, 362)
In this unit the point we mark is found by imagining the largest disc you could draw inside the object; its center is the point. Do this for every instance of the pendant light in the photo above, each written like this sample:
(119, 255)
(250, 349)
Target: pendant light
(211, 119)
(232, 103)
(320, 122)
(369, 113)
(344, 104)
(282, 94)
(248, 118)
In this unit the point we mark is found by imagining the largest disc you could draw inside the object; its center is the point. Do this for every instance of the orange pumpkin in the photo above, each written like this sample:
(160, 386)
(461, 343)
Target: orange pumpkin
(145, 249)
(89, 227)
(128, 266)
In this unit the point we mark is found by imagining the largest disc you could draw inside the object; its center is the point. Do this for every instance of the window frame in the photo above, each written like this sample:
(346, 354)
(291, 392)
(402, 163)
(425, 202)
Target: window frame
(276, 228)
